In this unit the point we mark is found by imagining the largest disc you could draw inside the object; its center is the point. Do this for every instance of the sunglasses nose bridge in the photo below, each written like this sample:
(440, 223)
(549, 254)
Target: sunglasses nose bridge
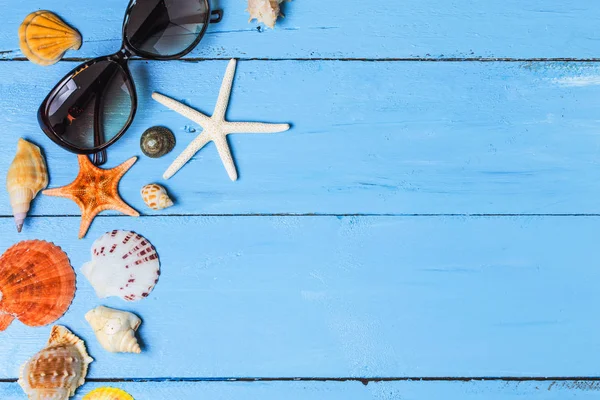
(122, 56)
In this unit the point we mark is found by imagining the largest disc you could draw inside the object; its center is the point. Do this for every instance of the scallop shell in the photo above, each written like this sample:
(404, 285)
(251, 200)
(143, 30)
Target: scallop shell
(156, 197)
(108, 393)
(115, 329)
(58, 370)
(123, 264)
(157, 141)
(44, 38)
(265, 11)
(37, 283)
(27, 175)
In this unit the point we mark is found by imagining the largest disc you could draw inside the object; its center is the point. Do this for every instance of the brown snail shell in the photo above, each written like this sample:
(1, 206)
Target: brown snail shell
(157, 141)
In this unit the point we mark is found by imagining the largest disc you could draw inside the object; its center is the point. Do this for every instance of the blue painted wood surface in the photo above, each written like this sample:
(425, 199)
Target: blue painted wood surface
(368, 138)
(344, 297)
(471, 390)
(435, 29)
(456, 204)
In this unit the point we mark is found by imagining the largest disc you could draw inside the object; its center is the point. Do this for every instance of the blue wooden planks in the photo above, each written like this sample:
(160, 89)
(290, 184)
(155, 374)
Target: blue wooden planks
(367, 138)
(344, 296)
(471, 390)
(456, 204)
(435, 29)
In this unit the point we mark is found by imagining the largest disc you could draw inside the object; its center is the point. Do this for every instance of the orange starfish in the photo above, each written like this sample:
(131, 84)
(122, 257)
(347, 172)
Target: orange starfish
(95, 190)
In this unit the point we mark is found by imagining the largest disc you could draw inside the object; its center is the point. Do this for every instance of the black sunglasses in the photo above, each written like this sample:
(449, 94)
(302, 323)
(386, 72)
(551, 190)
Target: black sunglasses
(92, 107)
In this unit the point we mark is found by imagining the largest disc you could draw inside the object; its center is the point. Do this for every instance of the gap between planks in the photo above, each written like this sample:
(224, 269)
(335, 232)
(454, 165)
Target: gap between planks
(364, 381)
(407, 59)
(327, 215)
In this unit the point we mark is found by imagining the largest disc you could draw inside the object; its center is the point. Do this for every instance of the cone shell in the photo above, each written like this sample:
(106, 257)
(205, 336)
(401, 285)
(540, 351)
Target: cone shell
(44, 38)
(115, 329)
(57, 370)
(37, 283)
(156, 197)
(123, 264)
(27, 175)
(108, 393)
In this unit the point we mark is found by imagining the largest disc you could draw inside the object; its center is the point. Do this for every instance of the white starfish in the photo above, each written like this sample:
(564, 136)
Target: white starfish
(215, 128)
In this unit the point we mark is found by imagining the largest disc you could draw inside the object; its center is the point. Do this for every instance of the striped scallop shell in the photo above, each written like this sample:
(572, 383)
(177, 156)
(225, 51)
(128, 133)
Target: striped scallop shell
(107, 393)
(44, 38)
(58, 370)
(124, 264)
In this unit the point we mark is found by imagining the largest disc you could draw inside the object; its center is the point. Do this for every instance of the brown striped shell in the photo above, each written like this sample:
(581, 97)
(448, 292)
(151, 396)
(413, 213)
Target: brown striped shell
(37, 283)
(123, 264)
(57, 370)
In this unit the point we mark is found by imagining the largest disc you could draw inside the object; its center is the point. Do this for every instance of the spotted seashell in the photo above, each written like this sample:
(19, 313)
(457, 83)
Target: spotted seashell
(156, 197)
(157, 141)
(57, 370)
(124, 264)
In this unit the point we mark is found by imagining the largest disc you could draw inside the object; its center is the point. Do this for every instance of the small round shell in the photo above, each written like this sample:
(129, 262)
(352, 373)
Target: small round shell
(156, 197)
(157, 141)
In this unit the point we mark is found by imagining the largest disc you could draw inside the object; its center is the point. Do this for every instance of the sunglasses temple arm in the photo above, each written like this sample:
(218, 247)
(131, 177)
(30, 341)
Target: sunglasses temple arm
(216, 16)
(100, 157)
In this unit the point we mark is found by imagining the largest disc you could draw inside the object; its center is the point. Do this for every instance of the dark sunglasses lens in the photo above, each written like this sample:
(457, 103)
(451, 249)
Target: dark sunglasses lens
(92, 107)
(166, 27)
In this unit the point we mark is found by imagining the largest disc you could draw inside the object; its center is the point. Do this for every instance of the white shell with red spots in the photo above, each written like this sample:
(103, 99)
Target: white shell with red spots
(124, 264)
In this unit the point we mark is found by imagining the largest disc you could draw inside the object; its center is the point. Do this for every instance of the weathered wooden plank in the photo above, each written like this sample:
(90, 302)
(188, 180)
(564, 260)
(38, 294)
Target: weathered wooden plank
(472, 390)
(353, 28)
(347, 296)
(366, 138)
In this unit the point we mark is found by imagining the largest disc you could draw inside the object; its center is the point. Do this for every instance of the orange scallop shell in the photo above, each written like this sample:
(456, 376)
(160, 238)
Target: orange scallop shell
(37, 283)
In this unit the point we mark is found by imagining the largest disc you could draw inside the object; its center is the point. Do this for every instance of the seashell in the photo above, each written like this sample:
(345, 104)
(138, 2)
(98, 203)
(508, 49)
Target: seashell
(124, 264)
(108, 393)
(37, 283)
(156, 197)
(157, 141)
(27, 175)
(44, 38)
(58, 370)
(265, 11)
(115, 329)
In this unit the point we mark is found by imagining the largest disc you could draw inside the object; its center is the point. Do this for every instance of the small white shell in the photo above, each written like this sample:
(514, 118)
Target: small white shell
(156, 197)
(115, 329)
(124, 264)
(265, 11)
